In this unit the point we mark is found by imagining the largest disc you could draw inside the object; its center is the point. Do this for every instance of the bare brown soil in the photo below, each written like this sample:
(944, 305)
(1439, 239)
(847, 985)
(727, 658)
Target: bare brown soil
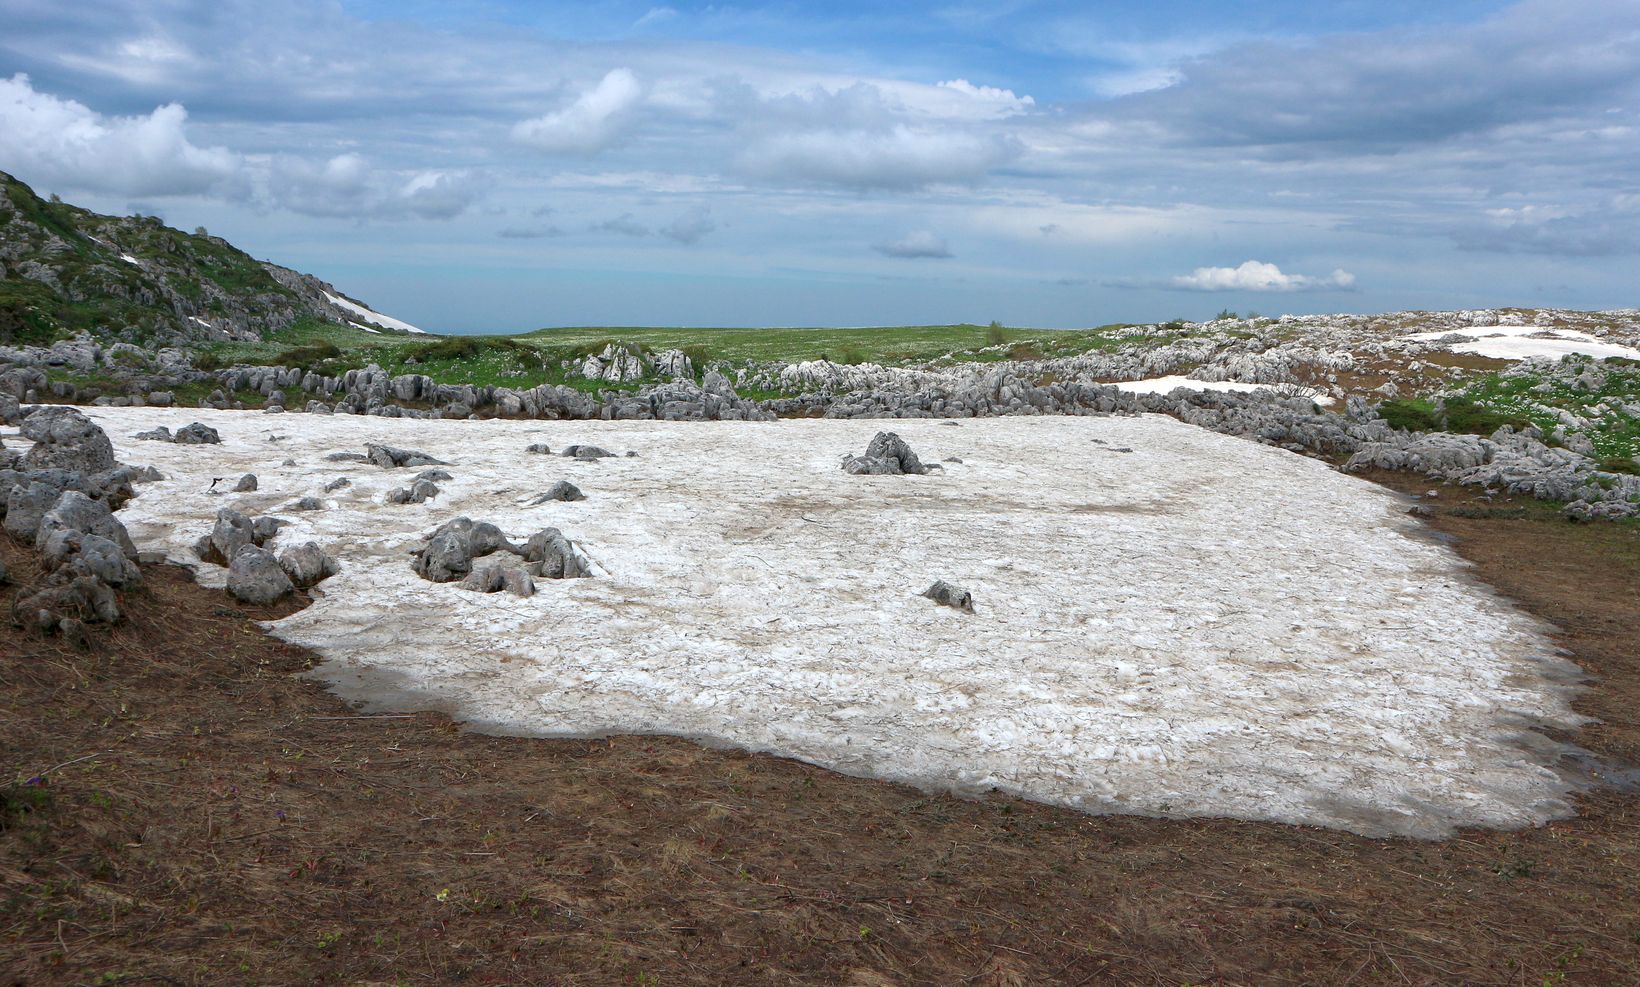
(183, 809)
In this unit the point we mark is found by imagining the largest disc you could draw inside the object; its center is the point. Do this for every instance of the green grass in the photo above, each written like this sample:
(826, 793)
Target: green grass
(1487, 402)
(526, 360)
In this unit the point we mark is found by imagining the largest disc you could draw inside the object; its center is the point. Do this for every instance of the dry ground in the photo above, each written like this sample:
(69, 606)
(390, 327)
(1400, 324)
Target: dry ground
(180, 808)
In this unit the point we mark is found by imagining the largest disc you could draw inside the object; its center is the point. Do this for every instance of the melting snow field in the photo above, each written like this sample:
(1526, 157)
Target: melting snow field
(1170, 621)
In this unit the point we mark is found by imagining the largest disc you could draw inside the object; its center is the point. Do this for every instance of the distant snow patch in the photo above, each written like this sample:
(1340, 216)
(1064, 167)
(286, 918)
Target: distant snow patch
(1525, 342)
(130, 260)
(1162, 385)
(376, 317)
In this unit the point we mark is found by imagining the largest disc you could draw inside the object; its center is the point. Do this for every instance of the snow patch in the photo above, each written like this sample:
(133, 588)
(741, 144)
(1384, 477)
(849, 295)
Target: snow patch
(130, 260)
(381, 320)
(1162, 385)
(1526, 342)
(1170, 621)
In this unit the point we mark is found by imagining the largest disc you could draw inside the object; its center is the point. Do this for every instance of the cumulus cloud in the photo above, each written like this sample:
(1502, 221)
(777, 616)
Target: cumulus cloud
(1258, 276)
(589, 124)
(347, 186)
(917, 244)
(62, 143)
(691, 226)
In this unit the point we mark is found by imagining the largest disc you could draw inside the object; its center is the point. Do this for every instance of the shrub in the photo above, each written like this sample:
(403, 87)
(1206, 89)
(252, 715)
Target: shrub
(1414, 415)
(309, 355)
(995, 335)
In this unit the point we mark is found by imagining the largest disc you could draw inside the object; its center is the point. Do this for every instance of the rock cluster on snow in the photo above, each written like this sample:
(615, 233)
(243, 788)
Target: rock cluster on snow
(450, 552)
(887, 455)
(60, 496)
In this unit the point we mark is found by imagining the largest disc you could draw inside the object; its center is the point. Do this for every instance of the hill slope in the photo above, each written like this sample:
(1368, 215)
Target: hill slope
(66, 270)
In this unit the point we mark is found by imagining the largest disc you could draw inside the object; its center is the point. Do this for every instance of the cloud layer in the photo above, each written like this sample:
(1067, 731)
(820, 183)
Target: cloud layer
(1446, 152)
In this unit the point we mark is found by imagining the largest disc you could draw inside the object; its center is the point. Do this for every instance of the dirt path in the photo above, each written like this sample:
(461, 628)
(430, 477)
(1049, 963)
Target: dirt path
(207, 817)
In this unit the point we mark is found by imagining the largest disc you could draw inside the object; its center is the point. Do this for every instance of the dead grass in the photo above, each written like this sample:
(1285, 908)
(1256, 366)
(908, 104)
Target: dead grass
(199, 815)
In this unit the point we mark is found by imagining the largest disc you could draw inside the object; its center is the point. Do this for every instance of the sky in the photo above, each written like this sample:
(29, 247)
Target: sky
(506, 165)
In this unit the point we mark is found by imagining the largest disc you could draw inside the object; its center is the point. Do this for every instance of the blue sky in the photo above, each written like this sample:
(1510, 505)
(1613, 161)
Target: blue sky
(505, 166)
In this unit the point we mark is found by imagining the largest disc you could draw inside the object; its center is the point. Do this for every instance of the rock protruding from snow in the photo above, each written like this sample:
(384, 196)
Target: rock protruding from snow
(450, 550)
(307, 564)
(948, 595)
(389, 457)
(555, 555)
(584, 452)
(887, 455)
(246, 484)
(256, 577)
(419, 492)
(562, 490)
(196, 434)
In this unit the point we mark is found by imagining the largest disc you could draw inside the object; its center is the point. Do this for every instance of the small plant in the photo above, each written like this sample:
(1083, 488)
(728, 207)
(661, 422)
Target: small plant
(995, 335)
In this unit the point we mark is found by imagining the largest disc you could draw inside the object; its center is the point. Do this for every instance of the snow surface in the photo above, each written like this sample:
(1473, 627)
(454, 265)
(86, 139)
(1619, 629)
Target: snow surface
(376, 317)
(1200, 626)
(130, 260)
(201, 321)
(1162, 385)
(1525, 342)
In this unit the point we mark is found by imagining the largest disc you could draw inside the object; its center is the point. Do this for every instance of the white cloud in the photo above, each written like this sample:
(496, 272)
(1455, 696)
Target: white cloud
(918, 244)
(1258, 276)
(1001, 101)
(348, 186)
(62, 143)
(589, 124)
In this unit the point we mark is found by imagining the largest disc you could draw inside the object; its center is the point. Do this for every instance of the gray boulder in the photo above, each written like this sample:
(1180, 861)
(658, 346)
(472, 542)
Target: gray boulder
(948, 595)
(76, 512)
(26, 505)
(160, 434)
(887, 455)
(246, 484)
(66, 439)
(539, 449)
(587, 452)
(562, 490)
(233, 531)
(67, 597)
(105, 560)
(450, 550)
(419, 492)
(197, 434)
(307, 564)
(554, 555)
(389, 457)
(256, 577)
